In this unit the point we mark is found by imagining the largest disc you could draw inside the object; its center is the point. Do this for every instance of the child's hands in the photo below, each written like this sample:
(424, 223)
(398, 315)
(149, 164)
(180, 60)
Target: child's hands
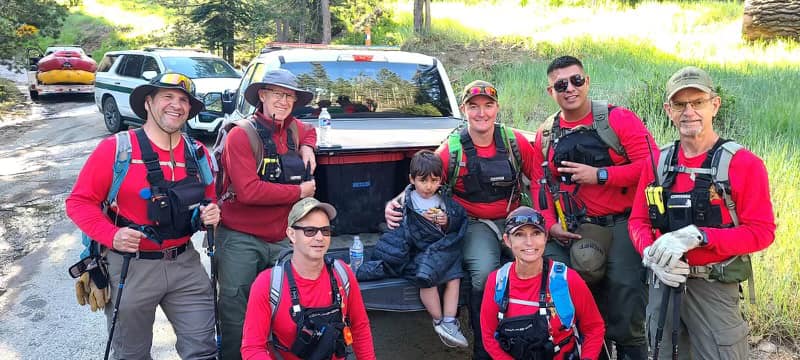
(436, 216)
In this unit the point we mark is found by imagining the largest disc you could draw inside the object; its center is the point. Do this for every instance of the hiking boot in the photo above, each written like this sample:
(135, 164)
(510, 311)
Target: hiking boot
(450, 334)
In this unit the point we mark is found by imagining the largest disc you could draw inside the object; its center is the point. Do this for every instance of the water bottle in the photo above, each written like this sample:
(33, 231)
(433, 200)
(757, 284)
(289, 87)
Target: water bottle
(356, 254)
(324, 128)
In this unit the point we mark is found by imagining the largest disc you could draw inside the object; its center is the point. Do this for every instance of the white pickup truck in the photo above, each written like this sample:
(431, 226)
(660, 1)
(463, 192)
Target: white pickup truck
(36, 88)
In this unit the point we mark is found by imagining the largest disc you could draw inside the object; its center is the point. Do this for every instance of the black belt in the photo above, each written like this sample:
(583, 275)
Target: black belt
(606, 220)
(166, 254)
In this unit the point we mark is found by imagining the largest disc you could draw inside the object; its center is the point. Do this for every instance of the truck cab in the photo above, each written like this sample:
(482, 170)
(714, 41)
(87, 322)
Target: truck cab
(385, 105)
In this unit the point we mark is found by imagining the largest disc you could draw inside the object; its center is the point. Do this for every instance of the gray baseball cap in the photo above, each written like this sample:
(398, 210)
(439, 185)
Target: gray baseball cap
(278, 77)
(301, 208)
(689, 77)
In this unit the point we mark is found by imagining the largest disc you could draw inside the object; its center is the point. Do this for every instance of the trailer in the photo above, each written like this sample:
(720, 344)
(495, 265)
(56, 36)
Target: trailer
(36, 88)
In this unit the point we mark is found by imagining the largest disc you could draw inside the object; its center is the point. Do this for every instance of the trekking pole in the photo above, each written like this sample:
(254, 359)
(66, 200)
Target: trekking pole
(677, 294)
(210, 251)
(126, 261)
(662, 318)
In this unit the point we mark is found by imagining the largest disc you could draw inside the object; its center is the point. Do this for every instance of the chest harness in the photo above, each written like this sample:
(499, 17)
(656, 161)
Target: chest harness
(487, 179)
(670, 210)
(278, 168)
(321, 332)
(172, 206)
(582, 144)
(531, 336)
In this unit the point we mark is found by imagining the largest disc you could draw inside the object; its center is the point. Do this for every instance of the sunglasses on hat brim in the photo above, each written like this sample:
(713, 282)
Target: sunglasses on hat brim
(177, 80)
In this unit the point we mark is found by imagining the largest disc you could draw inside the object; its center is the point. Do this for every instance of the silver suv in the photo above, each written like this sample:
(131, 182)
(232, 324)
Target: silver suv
(121, 71)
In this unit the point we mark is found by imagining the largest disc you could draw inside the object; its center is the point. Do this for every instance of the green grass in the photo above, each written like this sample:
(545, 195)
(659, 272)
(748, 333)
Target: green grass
(759, 84)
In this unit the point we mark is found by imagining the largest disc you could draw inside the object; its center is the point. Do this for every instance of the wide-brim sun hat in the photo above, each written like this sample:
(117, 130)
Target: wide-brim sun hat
(282, 78)
(165, 81)
(589, 255)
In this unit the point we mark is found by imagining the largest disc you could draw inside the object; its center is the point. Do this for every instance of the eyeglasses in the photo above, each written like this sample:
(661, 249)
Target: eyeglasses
(480, 90)
(280, 95)
(699, 104)
(536, 220)
(310, 231)
(179, 80)
(561, 85)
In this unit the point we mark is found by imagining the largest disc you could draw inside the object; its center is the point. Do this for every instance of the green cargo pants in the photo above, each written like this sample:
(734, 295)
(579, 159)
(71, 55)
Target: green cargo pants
(622, 294)
(711, 325)
(240, 258)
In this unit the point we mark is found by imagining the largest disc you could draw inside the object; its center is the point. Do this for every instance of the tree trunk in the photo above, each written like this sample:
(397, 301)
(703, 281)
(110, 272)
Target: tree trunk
(326, 21)
(418, 16)
(427, 27)
(282, 30)
(769, 19)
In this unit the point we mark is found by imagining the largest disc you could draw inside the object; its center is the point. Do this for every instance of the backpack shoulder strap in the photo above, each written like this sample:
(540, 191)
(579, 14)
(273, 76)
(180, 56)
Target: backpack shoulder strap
(256, 145)
(720, 163)
(341, 272)
(454, 163)
(664, 161)
(547, 133)
(122, 161)
(501, 297)
(275, 287)
(199, 157)
(293, 136)
(601, 124)
(511, 142)
(559, 291)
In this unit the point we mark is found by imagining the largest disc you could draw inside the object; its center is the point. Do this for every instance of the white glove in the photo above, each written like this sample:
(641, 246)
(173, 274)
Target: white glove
(670, 276)
(670, 247)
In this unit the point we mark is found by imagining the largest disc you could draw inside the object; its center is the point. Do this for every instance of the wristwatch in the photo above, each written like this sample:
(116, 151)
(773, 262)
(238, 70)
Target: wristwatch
(602, 176)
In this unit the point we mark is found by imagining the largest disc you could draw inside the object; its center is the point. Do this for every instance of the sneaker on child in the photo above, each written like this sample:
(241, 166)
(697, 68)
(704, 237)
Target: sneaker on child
(450, 333)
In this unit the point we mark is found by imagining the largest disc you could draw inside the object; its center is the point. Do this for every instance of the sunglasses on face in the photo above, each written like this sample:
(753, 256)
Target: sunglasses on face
(179, 80)
(536, 220)
(481, 90)
(280, 95)
(310, 231)
(561, 85)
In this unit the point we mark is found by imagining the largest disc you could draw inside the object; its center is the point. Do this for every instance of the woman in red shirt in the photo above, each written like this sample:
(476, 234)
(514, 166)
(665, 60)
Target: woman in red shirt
(328, 321)
(524, 328)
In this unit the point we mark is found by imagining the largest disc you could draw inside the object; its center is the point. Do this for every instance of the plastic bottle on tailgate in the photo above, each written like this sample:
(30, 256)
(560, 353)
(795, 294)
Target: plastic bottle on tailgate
(324, 127)
(356, 254)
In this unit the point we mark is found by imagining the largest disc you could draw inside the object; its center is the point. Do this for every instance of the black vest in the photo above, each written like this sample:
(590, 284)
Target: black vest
(487, 179)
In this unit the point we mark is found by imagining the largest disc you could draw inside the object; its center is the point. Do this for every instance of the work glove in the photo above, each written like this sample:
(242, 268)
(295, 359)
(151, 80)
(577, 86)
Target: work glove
(670, 247)
(671, 276)
(87, 292)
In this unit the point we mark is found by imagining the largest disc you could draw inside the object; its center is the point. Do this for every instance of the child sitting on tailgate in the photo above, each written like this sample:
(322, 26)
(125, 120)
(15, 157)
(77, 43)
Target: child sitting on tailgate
(426, 247)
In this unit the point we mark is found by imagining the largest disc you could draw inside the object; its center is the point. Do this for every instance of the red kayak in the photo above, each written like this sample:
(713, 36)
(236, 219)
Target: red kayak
(67, 60)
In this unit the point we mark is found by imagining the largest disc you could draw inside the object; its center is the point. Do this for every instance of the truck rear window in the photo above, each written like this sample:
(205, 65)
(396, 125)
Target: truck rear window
(371, 89)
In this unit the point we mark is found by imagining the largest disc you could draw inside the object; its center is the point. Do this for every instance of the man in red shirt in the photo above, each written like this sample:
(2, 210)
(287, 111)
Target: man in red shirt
(150, 220)
(486, 157)
(595, 154)
(705, 218)
(272, 333)
(257, 198)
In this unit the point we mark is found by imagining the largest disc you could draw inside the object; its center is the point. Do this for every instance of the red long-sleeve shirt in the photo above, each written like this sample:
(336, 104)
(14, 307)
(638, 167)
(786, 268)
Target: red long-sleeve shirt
(260, 208)
(587, 317)
(94, 182)
(497, 209)
(750, 193)
(616, 195)
(313, 293)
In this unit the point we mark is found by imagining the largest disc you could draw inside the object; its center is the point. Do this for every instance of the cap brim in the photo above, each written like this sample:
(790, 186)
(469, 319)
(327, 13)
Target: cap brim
(515, 228)
(136, 100)
(251, 94)
(328, 208)
(702, 88)
(470, 97)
